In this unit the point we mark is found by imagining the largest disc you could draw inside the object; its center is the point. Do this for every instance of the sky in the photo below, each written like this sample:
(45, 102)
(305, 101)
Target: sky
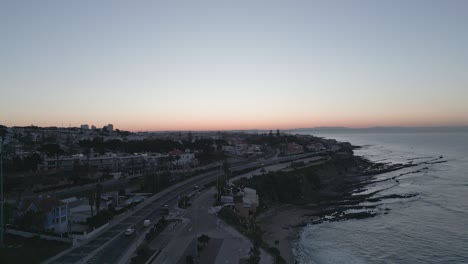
(221, 65)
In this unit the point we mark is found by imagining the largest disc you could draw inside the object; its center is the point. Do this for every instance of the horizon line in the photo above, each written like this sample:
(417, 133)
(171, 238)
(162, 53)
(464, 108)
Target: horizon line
(261, 129)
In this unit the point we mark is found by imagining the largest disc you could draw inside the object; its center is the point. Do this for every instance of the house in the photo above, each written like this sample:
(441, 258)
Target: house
(186, 159)
(314, 147)
(294, 148)
(80, 210)
(225, 199)
(246, 204)
(56, 213)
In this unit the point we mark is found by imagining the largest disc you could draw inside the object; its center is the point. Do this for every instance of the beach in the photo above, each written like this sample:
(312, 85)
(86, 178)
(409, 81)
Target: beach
(281, 226)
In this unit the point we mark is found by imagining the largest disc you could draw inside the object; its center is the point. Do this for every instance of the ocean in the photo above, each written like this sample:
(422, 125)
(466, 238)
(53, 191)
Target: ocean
(430, 227)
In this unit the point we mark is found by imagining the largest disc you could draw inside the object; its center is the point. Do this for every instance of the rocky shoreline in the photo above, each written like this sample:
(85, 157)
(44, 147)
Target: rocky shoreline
(332, 201)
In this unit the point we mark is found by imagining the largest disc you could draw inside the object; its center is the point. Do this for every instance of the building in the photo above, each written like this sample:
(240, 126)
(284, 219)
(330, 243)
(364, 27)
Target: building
(84, 127)
(109, 128)
(294, 148)
(242, 149)
(314, 147)
(56, 213)
(93, 127)
(246, 204)
(186, 159)
(80, 210)
(108, 162)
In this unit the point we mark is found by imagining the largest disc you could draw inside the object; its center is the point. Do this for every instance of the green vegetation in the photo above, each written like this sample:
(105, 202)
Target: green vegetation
(150, 145)
(189, 259)
(101, 218)
(229, 216)
(20, 250)
(202, 242)
(251, 231)
(98, 197)
(32, 221)
(156, 229)
(277, 140)
(155, 182)
(281, 187)
(254, 254)
(143, 252)
(184, 202)
(301, 185)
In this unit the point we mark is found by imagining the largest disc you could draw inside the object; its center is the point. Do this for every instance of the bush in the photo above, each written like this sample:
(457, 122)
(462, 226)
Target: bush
(100, 219)
(229, 216)
(189, 259)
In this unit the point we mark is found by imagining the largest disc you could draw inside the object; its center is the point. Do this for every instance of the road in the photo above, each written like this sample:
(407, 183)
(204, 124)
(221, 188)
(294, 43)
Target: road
(111, 244)
(179, 242)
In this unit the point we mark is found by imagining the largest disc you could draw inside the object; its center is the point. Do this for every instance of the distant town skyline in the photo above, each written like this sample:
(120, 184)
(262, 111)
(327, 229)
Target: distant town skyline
(215, 65)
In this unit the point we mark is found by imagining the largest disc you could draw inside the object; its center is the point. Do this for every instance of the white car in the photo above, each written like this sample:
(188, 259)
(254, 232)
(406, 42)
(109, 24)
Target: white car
(129, 231)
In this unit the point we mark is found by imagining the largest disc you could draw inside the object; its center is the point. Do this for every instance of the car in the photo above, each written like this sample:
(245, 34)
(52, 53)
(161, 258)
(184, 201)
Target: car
(129, 231)
(165, 206)
(147, 223)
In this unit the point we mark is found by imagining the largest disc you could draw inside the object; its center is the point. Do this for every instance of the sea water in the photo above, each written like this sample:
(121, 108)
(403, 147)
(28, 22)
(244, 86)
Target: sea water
(430, 227)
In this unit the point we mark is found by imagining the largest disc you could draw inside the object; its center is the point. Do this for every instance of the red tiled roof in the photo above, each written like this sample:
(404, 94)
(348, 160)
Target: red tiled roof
(47, 204)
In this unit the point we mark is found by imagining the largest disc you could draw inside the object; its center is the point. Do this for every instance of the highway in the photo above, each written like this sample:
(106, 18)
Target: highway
(111, 244)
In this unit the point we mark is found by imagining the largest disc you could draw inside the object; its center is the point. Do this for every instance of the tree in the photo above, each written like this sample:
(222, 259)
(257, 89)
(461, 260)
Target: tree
(33, 221)
(3, 132)
(204, 239)
(98, 197)
(202, 242)
(221, 181)
(190, 137)
(91, 199)
(254, 255)
(189, 259)
(53, 150)
(76, 171)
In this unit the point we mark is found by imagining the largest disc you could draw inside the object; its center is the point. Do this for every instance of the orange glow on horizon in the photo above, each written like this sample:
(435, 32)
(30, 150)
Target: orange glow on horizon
(131, 122)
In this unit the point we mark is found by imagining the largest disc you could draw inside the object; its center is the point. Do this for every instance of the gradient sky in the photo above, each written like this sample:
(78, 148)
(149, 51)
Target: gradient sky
(209, 65)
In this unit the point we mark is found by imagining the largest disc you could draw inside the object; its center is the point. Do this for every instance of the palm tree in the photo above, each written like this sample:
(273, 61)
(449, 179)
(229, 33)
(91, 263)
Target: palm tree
(53, 150)
(98, 197)
(91, 200)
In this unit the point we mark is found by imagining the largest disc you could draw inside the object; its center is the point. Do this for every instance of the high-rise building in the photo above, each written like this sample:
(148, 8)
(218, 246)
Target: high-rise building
(84, 127)
(110, 127)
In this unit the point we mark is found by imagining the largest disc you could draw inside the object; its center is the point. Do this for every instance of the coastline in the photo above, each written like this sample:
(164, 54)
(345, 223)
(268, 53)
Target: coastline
(281, 227)
(281, 223)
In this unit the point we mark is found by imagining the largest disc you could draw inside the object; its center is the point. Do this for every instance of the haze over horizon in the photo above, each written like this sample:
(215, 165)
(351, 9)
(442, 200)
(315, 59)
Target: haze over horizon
(218, 65)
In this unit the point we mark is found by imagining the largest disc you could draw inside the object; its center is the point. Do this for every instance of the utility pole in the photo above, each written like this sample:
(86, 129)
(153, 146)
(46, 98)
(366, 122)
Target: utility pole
(2, 244)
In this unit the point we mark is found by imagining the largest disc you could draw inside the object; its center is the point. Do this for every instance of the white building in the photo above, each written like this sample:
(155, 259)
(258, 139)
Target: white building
(109, 161)
(110, 127)
(186, 159)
